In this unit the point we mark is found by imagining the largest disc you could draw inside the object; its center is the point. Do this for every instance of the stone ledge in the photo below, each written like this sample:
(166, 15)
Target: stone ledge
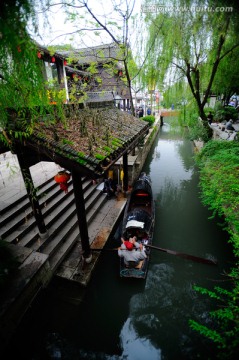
(32, 275)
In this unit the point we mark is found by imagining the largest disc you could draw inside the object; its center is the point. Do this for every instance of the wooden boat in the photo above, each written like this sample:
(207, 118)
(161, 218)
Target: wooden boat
(138, 220)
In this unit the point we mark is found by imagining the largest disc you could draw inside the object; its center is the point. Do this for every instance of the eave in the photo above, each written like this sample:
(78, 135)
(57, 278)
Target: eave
(125, 129)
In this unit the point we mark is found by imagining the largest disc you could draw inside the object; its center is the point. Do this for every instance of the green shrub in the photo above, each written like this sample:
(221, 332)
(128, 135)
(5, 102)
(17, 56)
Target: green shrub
(226, 113)
(149, 118)
(198, 132)
(207, 110)
(219, 171)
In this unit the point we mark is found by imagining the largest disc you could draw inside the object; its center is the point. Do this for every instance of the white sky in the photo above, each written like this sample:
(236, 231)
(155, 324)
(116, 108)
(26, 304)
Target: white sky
(53, 26)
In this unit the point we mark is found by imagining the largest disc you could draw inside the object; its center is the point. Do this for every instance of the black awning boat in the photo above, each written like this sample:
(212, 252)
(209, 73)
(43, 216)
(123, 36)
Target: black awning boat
(138, 220)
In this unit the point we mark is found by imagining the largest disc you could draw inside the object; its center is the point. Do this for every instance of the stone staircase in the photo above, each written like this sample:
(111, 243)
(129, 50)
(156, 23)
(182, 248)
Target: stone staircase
(58, 254)
(18, 225)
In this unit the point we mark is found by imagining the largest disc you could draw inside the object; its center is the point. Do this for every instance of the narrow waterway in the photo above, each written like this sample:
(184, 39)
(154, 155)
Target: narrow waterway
(138, 320)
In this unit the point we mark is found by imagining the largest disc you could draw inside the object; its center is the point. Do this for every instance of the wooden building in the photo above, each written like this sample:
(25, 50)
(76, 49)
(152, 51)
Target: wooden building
(87, 75)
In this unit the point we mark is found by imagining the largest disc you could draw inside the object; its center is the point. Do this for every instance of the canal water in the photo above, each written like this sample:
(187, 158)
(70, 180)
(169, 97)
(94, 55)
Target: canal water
(120, 319)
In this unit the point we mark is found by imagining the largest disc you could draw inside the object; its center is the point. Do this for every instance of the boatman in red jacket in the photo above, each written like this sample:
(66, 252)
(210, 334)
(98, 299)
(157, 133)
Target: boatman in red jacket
(131, 251)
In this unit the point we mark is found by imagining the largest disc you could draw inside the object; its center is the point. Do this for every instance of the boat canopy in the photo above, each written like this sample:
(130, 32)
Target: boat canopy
(139, 219)
(141, 189)
(135, 224)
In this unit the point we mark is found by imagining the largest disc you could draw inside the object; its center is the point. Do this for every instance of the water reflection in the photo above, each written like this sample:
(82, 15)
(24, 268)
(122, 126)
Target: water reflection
(134, 346)
(166, 303)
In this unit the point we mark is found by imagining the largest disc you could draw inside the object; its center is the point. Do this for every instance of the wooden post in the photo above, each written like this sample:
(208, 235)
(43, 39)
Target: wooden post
(124, 105)
(81, 215)
(32, 194)
(126, 175)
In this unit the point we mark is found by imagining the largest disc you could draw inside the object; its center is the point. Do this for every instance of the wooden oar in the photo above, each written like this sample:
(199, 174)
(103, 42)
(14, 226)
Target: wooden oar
(172, 252)
(184, 256)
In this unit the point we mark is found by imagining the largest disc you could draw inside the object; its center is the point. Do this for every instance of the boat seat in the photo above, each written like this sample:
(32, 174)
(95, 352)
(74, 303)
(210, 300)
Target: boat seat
(132, 265)
(139, 265)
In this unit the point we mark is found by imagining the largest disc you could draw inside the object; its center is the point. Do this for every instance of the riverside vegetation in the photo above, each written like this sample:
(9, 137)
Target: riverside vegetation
(219, 172)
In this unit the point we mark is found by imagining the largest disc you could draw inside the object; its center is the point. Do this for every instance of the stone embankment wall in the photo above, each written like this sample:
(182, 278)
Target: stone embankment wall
(144, 150)
(220, 133)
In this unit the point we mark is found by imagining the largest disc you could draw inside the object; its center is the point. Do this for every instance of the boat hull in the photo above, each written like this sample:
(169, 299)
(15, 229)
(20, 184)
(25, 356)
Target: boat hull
(138, 220)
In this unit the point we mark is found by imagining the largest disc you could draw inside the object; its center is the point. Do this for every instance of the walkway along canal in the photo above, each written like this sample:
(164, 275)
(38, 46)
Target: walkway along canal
(137, 320)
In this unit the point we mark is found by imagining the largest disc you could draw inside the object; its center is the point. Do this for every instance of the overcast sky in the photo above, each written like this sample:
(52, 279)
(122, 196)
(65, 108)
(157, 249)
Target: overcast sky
(54, 29)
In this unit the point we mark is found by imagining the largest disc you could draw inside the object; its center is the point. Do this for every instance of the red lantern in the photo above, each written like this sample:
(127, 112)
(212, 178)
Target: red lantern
(62, 178)
(53, 59)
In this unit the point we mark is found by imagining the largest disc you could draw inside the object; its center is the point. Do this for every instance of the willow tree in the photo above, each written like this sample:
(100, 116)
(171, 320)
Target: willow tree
(191, 43)
(226, 82)
(21, 79)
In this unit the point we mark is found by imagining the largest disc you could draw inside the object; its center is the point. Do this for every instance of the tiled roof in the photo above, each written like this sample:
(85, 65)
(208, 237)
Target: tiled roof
(92, 139)
(98, 96)
(100, 54)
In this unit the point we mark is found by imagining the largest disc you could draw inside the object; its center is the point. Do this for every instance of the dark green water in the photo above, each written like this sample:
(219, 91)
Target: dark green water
(135, 320)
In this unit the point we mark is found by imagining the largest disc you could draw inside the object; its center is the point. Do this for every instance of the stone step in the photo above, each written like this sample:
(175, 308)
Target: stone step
(60, 218)
(48, 192)
(73, 239)
(59, 246)
(20, 200)
(28, 234)
(105, 221)
(65, 223)
(23, 222)
(33, 274)
(18, 225)
(11, 218)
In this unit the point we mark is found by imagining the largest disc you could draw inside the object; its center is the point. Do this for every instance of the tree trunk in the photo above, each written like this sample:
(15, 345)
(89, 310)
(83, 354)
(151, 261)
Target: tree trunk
(129, 85)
